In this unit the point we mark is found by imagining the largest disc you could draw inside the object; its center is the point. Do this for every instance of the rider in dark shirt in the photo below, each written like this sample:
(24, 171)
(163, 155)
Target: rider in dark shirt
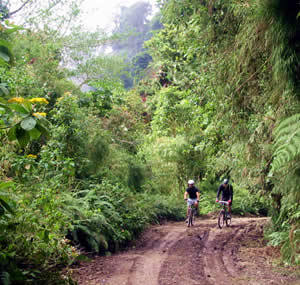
(194, 195)
(227, 193)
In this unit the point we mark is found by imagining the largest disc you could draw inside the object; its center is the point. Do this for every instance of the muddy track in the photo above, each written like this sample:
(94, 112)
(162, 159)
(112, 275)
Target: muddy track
(203, 254)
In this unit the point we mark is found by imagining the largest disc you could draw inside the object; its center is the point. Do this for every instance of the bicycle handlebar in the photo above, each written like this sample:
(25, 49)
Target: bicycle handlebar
(223, 202)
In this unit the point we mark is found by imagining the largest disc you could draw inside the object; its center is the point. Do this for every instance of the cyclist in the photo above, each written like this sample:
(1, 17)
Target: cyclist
(227, 193)
(194, 195)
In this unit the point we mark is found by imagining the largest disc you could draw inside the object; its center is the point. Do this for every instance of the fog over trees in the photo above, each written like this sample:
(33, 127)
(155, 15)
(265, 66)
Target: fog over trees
(134, 25)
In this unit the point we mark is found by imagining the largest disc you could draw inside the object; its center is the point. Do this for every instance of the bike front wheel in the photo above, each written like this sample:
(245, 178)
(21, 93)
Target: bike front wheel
(221, 219)
(228, 221)
(190, 217)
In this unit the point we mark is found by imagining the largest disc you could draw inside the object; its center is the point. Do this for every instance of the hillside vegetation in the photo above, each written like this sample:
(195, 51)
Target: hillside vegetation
(89, 171)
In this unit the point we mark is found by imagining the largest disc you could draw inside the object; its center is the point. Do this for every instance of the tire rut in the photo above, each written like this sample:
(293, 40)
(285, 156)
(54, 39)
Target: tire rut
(217, 261)
(173, 254)
(145, 268)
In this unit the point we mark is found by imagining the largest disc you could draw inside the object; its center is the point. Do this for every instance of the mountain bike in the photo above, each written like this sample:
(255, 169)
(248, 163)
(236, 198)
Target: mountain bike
(191, 215)
(224, 216)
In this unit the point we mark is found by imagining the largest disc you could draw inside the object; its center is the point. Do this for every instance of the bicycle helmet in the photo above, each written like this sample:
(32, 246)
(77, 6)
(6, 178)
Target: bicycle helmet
(226, 181)
(191, 182)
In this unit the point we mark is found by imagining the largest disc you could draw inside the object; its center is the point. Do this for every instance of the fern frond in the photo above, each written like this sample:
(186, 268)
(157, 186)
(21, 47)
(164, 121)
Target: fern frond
(285, 155)
(287, 124)
(104, 203)
(101, 240)
(5, 278)
(92, 243)
(287, 142)
(92, 238)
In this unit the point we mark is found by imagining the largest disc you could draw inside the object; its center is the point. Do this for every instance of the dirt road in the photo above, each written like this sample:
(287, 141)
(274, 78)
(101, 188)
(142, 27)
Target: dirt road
(174, 254)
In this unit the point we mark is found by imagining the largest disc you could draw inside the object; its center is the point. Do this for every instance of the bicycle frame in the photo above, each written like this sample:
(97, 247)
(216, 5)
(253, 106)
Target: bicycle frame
(191, 214)
(223, 215)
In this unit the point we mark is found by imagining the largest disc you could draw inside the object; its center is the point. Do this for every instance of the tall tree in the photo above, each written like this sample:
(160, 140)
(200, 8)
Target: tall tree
(134, 27)
(133, 24)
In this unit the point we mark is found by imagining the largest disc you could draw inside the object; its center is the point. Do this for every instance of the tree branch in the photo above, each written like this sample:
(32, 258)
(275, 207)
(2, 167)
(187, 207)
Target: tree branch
(19, 9)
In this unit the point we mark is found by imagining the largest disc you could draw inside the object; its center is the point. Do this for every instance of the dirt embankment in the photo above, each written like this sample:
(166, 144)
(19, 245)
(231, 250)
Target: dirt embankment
(203, 254)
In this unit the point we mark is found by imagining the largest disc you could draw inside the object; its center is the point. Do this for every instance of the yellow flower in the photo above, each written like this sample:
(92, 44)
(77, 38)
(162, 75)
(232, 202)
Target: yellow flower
(39, 100)
(31, 156)
(16, 100)
(37, 114)
(67, 94)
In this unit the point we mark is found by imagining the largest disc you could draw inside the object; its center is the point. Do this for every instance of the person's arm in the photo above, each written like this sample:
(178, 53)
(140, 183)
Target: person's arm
(185, 195)
(198, 195)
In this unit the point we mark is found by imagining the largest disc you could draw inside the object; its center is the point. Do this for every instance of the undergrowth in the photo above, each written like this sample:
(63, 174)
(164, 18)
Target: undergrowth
(50, 228)
(244, 202)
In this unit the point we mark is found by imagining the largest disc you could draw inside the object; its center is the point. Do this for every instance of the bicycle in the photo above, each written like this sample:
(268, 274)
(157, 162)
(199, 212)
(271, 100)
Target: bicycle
(224, 216)
(191, 215)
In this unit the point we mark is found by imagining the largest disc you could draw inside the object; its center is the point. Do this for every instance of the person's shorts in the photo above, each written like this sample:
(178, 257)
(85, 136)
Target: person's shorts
(190, 201)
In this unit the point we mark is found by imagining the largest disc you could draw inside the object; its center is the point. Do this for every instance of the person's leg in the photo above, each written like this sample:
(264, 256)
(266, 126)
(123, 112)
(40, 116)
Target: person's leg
(196, 206)
(187, 210)
(229, 208)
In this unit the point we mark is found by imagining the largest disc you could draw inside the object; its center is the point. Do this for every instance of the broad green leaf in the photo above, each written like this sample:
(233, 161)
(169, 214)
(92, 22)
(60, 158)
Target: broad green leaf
(5, 51)
(3, 62)
(19, 108)
(12, 133)
(34, 133)
(28, 123)
(5, 44)
(5, 205)
(42, 129)
(5, 107)
(4, 89)
(23, 137)
(13, 29)
(4, 56)
(44, 122)
(46, 236)
(27, 105)
(4, 185)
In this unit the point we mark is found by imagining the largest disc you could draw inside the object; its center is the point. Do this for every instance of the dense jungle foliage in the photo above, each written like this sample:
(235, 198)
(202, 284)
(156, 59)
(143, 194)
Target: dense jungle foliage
(88, 171)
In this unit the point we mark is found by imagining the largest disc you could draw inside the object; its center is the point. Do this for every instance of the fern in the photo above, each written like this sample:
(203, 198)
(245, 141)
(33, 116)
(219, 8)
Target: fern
(5, 278)
(92, 239)
(95, 218)
(287, 142)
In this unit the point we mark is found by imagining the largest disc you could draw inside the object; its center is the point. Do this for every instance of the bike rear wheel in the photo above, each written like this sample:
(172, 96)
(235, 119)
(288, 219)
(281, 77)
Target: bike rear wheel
(190, 217)
(221, 219)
